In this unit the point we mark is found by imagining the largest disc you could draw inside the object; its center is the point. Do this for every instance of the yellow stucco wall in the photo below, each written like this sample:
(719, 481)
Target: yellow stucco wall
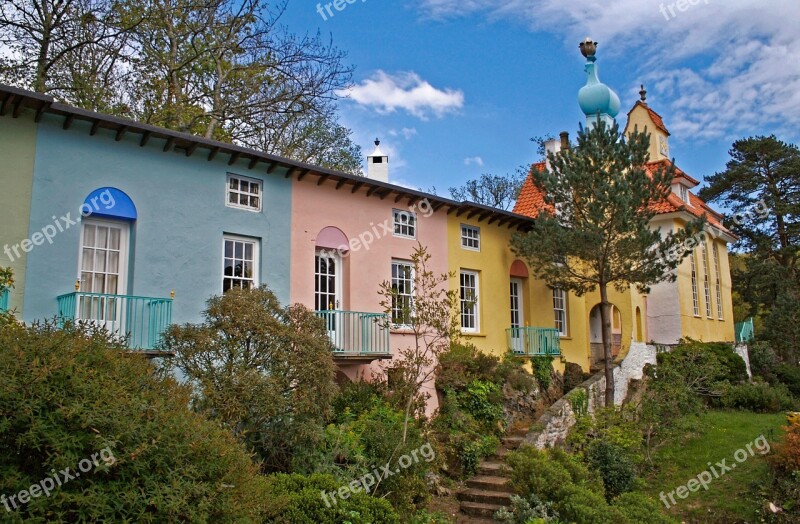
(702, 327)
(493, 263)
(640, 119)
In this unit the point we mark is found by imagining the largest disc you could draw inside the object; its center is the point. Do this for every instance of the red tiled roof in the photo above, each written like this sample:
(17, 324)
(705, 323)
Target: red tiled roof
(679, 173)
(655, 117)
(531, 199)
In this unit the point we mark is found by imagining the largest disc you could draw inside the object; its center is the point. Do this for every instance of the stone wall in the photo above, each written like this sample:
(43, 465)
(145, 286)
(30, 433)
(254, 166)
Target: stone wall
(552, 428)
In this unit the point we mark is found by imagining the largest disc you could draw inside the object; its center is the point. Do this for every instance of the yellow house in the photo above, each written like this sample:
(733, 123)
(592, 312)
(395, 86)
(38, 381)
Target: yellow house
(699, 304)
(506, 310)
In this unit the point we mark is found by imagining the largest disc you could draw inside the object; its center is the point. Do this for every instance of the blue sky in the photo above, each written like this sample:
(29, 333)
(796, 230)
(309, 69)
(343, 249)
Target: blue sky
(456, 88)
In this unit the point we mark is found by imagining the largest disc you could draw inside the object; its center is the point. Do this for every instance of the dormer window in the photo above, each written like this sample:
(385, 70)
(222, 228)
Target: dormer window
(684, 193)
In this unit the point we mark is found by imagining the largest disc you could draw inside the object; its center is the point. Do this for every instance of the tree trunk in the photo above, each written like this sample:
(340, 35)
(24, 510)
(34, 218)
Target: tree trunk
(605, 318)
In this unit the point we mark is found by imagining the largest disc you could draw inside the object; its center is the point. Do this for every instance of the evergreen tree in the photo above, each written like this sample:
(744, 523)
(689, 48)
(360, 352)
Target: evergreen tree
(760, 187)
(595, 229)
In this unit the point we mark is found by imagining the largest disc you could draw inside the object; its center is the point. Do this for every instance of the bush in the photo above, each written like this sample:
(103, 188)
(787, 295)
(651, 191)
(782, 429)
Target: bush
(639, 508)
(262, 370)
(355, 398)
(528, 510)
(615, 466)
(299, 500)
(66, 394)
(758, 397)
(705, 365)
(790, 376)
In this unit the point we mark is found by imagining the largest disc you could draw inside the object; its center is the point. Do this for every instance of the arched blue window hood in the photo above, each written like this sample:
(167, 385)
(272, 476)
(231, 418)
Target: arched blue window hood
(109, 202)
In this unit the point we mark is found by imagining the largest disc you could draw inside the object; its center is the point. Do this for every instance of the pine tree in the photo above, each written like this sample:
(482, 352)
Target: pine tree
(595, 229)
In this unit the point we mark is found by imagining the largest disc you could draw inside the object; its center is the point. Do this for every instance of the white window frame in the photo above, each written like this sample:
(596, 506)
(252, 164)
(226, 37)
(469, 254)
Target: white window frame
(466, 238)
(410, 294)
(695, 299)
(474, 310)
(256, 259)
(560, 314)
(407, 229)
(124, 252)
(719, 286)
(706, 279)
(238, 191)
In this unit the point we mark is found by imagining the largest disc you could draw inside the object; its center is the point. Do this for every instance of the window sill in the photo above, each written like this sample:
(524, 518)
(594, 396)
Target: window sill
(564, 337)
(401, 331)
(404, 236)
(473, 334)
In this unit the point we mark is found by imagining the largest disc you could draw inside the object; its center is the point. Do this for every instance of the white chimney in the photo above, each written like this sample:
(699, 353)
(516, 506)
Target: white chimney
(551, 146)
(378, 164)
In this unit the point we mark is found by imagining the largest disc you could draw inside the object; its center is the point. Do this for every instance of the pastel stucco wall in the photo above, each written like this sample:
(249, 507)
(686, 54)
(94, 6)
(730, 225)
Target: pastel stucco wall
(177, 241)
(366, 267)
(17, 150)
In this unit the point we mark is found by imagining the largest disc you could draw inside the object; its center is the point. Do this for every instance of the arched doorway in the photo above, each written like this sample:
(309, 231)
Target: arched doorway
(596, 333)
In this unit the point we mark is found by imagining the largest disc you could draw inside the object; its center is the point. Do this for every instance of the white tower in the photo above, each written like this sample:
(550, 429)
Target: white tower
(378, 164)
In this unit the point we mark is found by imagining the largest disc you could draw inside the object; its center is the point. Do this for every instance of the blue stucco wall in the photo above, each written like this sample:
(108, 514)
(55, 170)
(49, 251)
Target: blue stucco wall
(177, 240)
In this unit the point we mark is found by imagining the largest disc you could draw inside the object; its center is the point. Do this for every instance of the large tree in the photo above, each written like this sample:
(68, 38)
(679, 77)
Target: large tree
(595, 231)
(760, 188)
(500, 191)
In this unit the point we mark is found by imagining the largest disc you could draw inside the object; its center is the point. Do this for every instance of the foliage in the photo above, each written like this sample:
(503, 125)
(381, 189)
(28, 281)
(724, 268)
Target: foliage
(790, 376)
(579, 401)
(542, 370)
(424, 516)
(492, 190)
(574, 491)
(223, 69)
(786, 458)
(298, 500)
(758, 397)
(526, 511)
(638, 507)
(759, 189)
(595, 229)
(617, 426)
(432, 322)
(66, 394)
(483, 400)
(616, 468)
(262, 370)
(6, 278)
(704, 366)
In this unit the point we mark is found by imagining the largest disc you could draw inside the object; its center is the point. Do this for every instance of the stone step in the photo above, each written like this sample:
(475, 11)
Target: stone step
(497, 469)
(512, 442)
(500, 454)
(500, 498)
(519, 432)
(477, 509)
(490, 483)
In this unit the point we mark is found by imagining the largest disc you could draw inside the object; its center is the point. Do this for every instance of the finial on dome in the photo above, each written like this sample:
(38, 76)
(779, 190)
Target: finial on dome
(643, 94)
(588, 48)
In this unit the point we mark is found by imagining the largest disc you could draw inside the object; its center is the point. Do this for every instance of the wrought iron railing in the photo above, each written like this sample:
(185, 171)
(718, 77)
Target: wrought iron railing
(533, 341)
(357, 334)
(140, 320)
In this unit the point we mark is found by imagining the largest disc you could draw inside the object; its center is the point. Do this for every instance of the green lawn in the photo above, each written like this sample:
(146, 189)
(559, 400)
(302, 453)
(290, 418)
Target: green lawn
(734, 496)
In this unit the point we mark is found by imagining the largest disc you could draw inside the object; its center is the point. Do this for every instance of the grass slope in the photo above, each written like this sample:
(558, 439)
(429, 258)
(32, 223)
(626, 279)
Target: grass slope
(734, 496)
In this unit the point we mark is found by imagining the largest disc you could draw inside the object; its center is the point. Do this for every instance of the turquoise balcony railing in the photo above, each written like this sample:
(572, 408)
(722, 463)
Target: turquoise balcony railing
(357, 334)
(533, 341)
(4, 300)
(141, 320)
(744, 330)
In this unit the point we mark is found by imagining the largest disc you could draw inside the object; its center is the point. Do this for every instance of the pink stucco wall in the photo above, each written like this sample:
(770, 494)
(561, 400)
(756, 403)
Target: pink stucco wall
(368, 264)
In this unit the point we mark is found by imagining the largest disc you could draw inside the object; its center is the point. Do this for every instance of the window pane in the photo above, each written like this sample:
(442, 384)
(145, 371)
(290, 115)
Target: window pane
(114, 238)
(101, 237)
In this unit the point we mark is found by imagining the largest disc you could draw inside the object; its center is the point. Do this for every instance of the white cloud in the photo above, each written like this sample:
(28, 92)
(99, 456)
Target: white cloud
(478, 161)
(387, 93)
(715, 70)
(406, 132)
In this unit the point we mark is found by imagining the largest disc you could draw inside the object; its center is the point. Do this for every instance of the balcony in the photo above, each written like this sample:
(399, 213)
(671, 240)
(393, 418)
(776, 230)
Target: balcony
(4, 301)
(356, 335)
(533, 341)
(141, 321)
(744, 331)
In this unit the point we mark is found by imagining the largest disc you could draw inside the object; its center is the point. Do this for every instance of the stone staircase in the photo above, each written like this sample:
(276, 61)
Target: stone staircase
(489, 490)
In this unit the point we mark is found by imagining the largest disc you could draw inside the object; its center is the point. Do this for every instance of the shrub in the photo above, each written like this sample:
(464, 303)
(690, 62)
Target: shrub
(299, 500)
(639, 508)
(704, 366)
(790, 376)
(758, 397)
(526, 511)
(66, 394)
(615, 466)
(786, 458)
(262, 370)
(463, 364)
(615, 425)
(355, 398)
